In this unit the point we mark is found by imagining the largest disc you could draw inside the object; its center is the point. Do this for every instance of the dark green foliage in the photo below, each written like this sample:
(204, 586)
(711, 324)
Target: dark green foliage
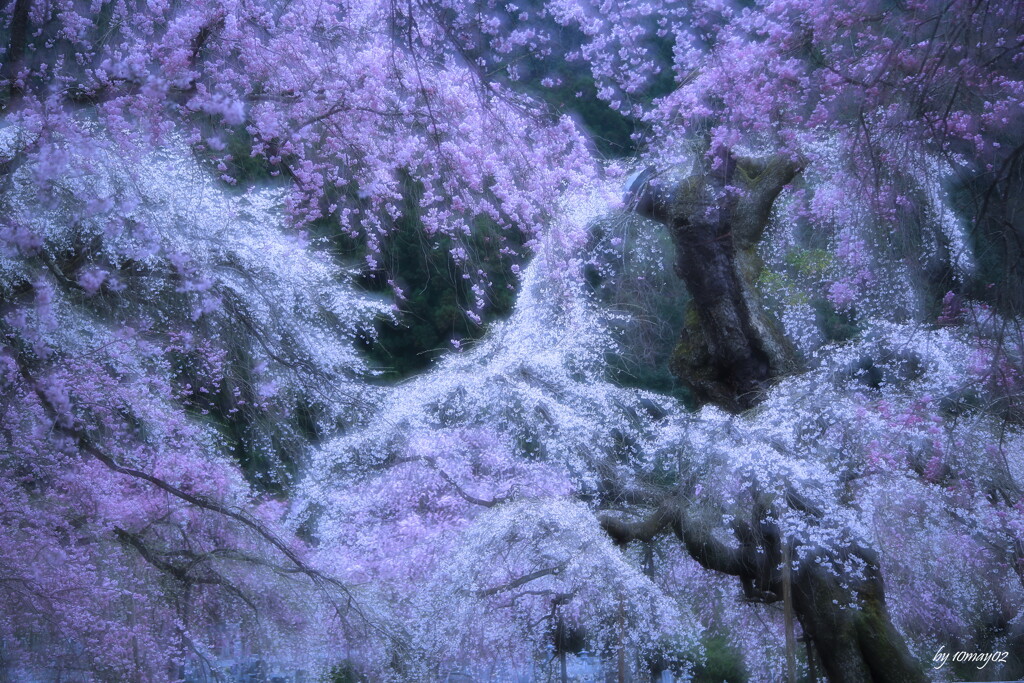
(868, 373)
(835, 325)
(268, 456)
(344, 673)
(239, 162)
(436, 295)
(244, 167)
(567, 638)
(724, 662)
(631, 271)
(611, 131)
(996, 234)
(235, 159)
(614, 134)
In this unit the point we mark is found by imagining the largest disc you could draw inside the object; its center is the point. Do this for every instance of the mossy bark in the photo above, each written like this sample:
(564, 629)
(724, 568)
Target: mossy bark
(844, 618)
(853, 644)
(731, 347)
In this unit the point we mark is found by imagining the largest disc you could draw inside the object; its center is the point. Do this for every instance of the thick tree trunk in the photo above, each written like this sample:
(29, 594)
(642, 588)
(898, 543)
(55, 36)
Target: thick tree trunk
(729, 355)
(852, 644)
(723, 358)
(733, 348)
(848, 625)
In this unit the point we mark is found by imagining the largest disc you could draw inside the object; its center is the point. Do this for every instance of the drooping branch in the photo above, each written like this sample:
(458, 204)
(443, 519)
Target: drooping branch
(646, 529)
(85, 445)
(852, 644)
(432, 463)
(521, 581)
(671, 513)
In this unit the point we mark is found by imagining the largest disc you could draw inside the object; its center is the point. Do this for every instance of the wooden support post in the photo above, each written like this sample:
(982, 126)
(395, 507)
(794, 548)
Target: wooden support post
(787, 602)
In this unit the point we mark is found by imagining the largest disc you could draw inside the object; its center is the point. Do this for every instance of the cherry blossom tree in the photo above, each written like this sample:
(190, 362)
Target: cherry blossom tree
(820, 239)
(158, 334)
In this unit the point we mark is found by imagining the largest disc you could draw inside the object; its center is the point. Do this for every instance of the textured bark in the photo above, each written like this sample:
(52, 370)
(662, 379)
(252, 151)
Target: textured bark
(733, 348)
(729, 354)
(853, 644)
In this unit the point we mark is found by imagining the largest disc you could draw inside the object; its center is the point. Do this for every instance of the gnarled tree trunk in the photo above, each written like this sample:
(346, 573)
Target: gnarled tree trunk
(734, 347)
(730, 352)
(848, 625)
